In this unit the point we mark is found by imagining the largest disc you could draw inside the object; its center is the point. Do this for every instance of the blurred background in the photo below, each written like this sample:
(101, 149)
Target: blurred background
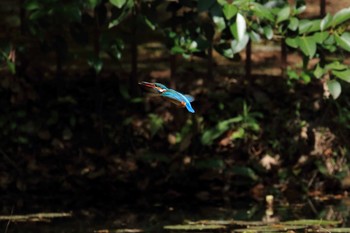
(269, 80)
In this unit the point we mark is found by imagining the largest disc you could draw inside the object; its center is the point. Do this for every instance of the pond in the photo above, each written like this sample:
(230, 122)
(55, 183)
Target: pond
(96, 215)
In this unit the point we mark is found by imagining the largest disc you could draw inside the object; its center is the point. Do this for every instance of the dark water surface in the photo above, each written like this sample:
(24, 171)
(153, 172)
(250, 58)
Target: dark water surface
(94, 214)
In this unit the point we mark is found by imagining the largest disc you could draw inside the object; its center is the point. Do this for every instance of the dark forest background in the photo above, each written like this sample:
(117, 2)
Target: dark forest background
(270, 79)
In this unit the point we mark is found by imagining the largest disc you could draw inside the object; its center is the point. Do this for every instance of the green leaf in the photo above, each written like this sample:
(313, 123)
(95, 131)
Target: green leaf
(31, 5)
(118, 3)
(300, 10)
(229, 10)
(254, 36)
(307, 45)
(336, 65)
(239, 27)
(96, 63)
(156, 123)
(319, 71)
(341, 16)
(238, 46)
(262, 12)
(292, 42)
(194, 227)
(268, 32)
(334, 88)
(222, 2)
(304, 26)
(344, 75)
(245, 172)
(326, 22)
(293, 24)
(93, 3)
(238, 134)
(219, 23)
(11, 66)
(307, 26)
(177, 50)
(312, 222)
(210, 135)
(343, 41)
(283, 14)
(149, 23)
(319, 37)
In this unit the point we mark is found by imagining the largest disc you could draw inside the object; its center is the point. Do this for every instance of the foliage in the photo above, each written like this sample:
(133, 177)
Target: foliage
(65, 91)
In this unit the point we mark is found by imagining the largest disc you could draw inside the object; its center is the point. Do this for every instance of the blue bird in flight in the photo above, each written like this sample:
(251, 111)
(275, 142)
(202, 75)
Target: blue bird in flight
(181, 100)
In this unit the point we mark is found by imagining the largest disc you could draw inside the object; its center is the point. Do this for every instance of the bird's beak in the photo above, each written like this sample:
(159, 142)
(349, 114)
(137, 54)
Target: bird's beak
(147, 84)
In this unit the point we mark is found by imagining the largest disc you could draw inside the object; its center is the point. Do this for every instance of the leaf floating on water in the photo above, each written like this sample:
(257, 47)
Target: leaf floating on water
(211, 222)
(128, 230)
(272, 228)
(194, 227)
(248, 223)
(312, 222)
(338, 230)
(125, 230)
(39, 217)
(227, 222)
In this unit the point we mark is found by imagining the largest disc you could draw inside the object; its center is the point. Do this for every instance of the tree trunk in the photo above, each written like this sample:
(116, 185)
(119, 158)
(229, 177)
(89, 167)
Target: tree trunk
(283, 57)
(248, 61)
(322, 8)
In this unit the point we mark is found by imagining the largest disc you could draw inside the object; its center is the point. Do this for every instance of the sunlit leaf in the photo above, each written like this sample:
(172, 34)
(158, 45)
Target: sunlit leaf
(210, 135)
(292, 42)
(320, 37)
(319, 71)
(308, 26)
(344, 74)
(219, 23)
(283, 14)
(293, 24)
(118, 3)
(95, 63)
(341, 16)
(239, 27)
(238, 134)
(343, 41)
(312, 222)
(336, 65)
(229, 10)
(326, 22)
(300, 9)
(238, 46)
(307, 44)
(262, 12)
(268, 32)
(271, 228)
(149, 23)
(254, 36)
(334, 88)
(339, 230)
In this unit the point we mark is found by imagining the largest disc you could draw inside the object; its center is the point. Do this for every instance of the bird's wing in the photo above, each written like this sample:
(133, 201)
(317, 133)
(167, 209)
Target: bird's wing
(190, 98)
(173, 96)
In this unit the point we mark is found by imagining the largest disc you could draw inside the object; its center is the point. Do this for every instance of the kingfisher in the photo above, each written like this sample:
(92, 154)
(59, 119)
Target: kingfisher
(181, 100)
